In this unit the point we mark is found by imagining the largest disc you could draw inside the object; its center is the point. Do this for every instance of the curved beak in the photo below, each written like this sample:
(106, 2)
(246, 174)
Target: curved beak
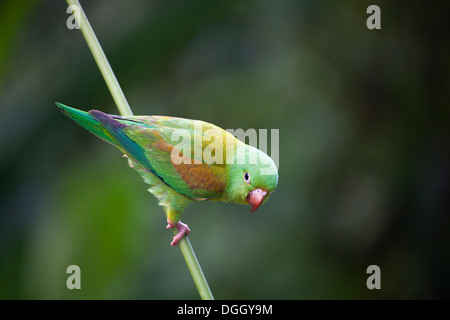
(255, 198)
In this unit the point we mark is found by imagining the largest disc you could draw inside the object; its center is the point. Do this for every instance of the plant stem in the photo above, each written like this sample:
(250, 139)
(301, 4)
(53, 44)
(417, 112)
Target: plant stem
(100, 58)
(124, 109)
(195, 269)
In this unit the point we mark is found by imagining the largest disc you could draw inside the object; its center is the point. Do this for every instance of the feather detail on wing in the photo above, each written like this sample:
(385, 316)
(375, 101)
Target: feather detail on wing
(148, 140)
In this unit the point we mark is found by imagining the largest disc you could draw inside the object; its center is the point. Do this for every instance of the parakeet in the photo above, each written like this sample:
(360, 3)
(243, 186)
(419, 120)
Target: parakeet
(185, 160)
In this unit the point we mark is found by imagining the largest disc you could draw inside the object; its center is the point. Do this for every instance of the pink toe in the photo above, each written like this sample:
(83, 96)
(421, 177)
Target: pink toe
(183, 230)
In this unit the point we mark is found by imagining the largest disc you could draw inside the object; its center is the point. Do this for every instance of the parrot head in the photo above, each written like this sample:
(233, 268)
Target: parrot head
(251, 183)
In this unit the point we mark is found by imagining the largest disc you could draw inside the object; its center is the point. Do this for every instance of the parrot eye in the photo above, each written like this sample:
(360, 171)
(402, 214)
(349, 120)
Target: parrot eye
(247, 177)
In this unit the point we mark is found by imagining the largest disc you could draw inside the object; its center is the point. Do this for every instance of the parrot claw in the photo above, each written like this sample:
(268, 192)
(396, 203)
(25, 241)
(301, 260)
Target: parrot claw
(182, 228)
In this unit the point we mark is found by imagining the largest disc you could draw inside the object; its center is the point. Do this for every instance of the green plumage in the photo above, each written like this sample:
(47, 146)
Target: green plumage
(182, 160)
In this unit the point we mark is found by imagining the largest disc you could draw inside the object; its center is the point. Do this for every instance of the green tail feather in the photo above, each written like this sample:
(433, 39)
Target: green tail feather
(85, 120)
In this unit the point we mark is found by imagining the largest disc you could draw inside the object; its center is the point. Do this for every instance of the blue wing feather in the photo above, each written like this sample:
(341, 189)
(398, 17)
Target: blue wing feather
(116, 129)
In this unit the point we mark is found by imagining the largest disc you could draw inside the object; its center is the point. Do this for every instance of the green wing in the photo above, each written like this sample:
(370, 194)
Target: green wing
(192, 179)
(148, 140)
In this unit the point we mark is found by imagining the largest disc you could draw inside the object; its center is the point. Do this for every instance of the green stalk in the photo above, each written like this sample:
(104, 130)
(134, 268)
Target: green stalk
(194, 268)
(100, 58)
(124, 109)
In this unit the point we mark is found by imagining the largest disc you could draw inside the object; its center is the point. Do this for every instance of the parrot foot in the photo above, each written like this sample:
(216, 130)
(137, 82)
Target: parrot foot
(183, 230)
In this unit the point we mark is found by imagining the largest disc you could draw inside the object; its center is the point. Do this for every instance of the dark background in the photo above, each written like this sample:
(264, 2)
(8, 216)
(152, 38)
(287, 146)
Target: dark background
(364, 148)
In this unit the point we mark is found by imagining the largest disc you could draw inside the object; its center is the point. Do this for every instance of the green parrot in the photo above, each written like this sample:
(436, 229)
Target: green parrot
(208, 164)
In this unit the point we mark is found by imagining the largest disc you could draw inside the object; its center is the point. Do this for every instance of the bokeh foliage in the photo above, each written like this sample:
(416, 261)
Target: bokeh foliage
(364, 148)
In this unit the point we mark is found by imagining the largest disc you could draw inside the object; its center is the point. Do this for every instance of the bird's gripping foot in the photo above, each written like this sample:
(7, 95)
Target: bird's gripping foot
(183, 230)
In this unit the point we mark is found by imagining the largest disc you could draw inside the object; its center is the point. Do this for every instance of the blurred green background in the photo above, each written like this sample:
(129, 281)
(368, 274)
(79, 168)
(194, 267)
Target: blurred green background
(364, 148)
